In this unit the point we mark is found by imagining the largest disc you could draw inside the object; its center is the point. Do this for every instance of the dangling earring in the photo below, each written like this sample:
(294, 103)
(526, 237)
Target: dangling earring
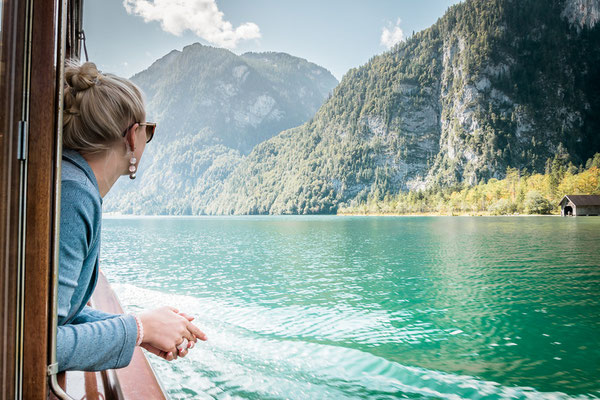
(132, 167)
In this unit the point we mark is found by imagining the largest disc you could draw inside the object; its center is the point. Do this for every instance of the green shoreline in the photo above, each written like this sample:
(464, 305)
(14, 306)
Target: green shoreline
(112, 215)
(443, 215)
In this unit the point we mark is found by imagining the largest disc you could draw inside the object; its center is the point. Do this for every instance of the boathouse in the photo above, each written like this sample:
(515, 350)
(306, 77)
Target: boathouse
(580, 205)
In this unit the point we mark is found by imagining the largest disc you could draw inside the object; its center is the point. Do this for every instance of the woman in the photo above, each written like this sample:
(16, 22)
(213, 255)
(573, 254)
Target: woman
(104, 136)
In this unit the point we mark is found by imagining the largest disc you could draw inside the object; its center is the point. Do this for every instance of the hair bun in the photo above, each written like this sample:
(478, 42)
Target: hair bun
(81, 77)
(93, 120)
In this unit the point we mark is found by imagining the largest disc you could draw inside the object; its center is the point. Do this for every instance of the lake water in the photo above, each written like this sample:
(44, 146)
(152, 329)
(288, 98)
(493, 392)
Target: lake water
(370, 307)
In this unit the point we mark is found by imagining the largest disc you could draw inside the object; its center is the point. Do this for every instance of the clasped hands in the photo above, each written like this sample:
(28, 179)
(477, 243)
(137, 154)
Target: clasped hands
(165, 329)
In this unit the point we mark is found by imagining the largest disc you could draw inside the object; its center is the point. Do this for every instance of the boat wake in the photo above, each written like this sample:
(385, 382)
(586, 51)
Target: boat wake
(257, 352)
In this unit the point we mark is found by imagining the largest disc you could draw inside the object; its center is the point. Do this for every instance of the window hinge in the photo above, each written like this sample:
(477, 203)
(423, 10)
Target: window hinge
(23, 140)
(52, 369)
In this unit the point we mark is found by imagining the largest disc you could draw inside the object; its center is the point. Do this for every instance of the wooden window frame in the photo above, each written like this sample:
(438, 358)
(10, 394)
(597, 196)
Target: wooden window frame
(33, 47)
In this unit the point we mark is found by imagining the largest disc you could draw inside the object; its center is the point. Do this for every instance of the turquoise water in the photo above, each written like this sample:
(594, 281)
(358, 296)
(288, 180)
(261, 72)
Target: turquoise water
(370, 307)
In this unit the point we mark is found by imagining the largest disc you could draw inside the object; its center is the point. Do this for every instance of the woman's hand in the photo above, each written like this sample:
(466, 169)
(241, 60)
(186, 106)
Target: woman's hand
(165, 329)
(163, 354)
(190, 345)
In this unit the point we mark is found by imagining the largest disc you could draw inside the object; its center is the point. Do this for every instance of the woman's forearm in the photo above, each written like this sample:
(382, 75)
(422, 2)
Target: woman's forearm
(98, 345)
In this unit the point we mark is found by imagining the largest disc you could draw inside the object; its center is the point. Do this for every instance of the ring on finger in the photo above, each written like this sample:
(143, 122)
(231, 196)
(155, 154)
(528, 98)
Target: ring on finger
(183, 345)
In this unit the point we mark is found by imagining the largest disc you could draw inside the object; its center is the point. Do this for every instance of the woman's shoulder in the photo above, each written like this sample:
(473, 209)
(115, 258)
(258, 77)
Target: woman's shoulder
(71, 172)
(78, 190)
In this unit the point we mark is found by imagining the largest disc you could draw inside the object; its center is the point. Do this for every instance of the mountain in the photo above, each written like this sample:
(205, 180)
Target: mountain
(212, 107)
(492, 84)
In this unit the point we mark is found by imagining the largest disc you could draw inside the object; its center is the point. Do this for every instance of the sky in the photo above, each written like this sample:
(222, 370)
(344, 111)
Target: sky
(126, 36)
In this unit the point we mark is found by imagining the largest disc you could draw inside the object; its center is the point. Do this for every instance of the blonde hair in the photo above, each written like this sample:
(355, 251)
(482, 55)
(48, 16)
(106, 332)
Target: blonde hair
(98, 107)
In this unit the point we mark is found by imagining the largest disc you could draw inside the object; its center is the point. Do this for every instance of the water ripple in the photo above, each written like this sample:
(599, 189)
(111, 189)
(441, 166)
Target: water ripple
(326, 307)
(242, 360)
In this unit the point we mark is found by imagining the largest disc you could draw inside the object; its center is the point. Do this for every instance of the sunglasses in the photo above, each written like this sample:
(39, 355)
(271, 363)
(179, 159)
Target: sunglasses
(150, 128)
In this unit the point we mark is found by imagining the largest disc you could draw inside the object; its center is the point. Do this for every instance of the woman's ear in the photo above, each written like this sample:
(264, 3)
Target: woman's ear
(130, 136)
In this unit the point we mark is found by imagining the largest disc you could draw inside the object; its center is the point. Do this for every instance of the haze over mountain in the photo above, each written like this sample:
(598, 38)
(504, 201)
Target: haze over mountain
(492, 84)
(212, 107)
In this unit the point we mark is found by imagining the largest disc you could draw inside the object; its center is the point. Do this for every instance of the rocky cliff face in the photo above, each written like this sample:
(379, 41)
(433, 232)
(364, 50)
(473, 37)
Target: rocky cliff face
(237, 101)
(525, 92)
(582, 13)
(493, 84)
(212, 108)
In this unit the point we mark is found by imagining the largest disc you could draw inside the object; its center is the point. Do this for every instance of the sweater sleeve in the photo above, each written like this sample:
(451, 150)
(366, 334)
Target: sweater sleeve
(97, 345)
(78, 214)
(89, 314)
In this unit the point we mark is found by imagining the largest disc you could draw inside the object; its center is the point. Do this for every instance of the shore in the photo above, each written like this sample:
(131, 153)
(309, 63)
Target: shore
(443, 215)
(341, 214)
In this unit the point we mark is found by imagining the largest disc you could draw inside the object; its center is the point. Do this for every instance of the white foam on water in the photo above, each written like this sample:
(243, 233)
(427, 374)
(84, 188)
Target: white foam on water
(248, 356)
(373, 327)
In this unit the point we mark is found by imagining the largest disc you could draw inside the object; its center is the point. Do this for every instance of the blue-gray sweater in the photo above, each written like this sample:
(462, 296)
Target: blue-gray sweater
(87, 339)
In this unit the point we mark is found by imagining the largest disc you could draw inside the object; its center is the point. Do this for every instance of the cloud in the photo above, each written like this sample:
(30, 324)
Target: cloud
(392, 36)
(199, 16)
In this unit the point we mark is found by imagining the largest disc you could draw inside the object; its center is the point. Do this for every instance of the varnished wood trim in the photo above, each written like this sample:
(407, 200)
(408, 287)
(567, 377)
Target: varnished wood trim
(38, 250)
(11, 100)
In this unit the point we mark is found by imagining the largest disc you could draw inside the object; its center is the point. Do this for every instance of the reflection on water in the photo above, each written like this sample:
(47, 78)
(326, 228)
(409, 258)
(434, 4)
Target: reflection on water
(351, 307)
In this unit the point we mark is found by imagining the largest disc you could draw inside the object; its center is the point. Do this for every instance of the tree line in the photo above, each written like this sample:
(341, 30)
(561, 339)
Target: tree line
(518, 193)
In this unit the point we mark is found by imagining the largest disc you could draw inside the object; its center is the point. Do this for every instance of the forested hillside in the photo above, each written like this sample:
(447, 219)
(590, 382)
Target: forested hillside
(492, 85)
(212, 107)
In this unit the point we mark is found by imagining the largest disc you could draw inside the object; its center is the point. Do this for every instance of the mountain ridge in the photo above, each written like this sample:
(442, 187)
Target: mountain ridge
(491, 85)
(212, 107)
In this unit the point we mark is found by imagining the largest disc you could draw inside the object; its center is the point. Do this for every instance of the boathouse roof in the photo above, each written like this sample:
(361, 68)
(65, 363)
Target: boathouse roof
(582, 200)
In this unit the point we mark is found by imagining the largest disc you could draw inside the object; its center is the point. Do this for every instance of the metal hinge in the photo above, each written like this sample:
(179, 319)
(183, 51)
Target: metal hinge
(22, 149)
(52, 369)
